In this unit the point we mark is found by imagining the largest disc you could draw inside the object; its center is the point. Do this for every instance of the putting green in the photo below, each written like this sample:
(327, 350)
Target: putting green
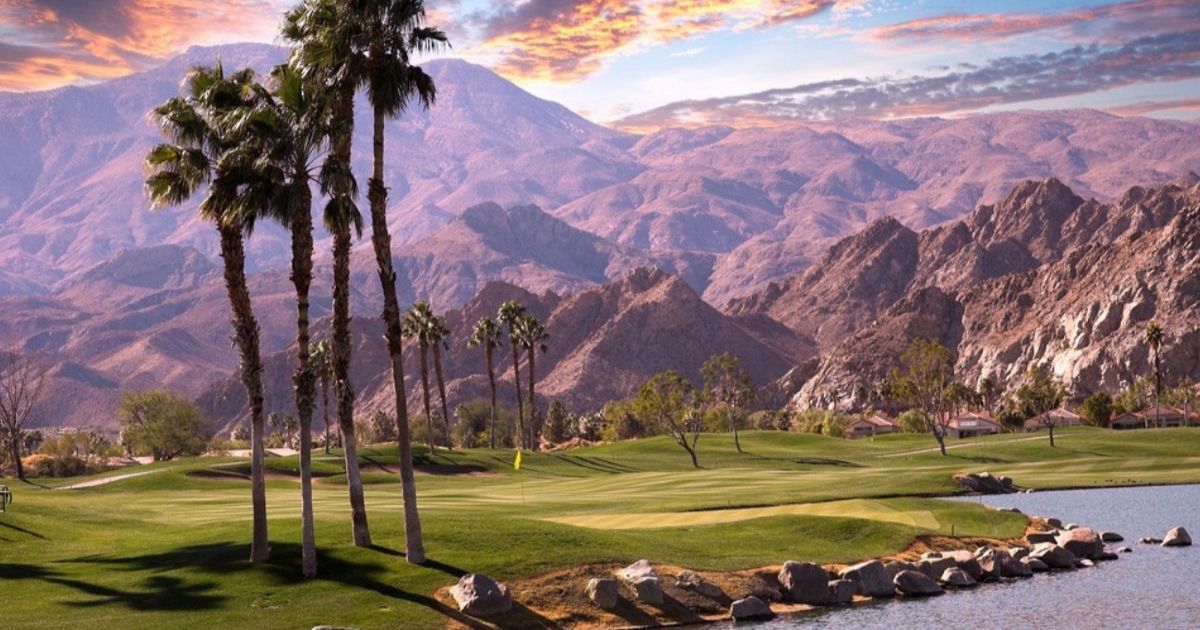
(854, 508)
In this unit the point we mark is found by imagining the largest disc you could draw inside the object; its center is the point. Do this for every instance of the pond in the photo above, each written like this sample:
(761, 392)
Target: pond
(1153, 587)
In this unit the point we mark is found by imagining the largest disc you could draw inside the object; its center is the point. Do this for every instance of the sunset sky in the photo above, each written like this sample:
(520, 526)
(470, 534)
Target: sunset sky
(649, 63)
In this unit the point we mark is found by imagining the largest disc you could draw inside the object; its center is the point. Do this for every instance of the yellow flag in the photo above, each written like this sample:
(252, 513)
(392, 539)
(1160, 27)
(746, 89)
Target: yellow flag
(517, 461)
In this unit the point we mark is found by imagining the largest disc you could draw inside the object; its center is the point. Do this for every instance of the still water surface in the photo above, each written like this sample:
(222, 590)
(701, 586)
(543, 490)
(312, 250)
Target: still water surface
(1152, 587)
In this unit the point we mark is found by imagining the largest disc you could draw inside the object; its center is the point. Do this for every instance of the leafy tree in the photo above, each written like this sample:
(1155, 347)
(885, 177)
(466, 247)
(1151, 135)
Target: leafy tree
(22, 381)
(1040, 394)
(668, 402)
(912, 421)
(621, 422)
(926, 370)
(1097, 409)
(1134, 397)
(383, 427)
(510, 314)
(487, 334)
(163, 424)
(556, 428)
(989, 390)
(471, 424)
(199, 133)
(727, 389)
(532, 336)
(960, 397)
(1154, 339)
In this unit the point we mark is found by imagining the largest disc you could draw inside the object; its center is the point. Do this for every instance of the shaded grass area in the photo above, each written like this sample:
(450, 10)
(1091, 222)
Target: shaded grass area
(168, 549)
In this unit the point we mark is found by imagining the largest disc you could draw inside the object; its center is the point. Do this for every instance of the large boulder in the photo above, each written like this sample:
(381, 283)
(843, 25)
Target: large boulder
(841, 591)
(935, 567)
(1053, 556)
(1034, 538)
(750, 609)
(480, 596)
(638, 570)
(1084, 542)
(1035, 565)
(646, 590)
(990, 563)
(955, 577)
(1013, 568)
(1177, 537)
(915, 584)
(642, 579)
(805, 583)
(603, 592)
(966, 561)
(894, 567)
(870, 578)
(691, 581)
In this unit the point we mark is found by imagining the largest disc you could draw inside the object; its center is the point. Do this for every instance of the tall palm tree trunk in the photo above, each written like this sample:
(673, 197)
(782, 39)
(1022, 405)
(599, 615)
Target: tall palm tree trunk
(343, 391)
(381, 239)
(1157, 388)
(325, 410)
(533, 411)
(246, 336)
(520, 441)
(304, 379)
(425, 394)
(441, 384)
(492, 383)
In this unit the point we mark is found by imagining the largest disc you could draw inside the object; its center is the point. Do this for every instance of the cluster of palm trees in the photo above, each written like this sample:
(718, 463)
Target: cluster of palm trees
(255, 151)
(525, 332)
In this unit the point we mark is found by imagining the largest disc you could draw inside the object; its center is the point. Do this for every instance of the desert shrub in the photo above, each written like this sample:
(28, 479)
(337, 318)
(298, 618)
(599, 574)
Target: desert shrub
(770, 420)
(471, 423)
(419, 430)
(42, 465)
(911, 421)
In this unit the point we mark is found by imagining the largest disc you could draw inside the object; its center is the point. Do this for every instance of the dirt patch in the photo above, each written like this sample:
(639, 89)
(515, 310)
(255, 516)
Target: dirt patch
(557, 599)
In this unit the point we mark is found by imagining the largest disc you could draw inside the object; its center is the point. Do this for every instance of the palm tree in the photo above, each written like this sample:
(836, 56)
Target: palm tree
(437, 332)
(510, 314)
(323, 34)
(394, 29)
(197, 128)
(532, 336)
(1154, 338)
(487, 333)
(285, 133)
(322, 365)
(416, 326)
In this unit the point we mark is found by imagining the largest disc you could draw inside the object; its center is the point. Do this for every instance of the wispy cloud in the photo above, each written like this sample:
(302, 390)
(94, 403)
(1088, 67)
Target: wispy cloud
(1001, 81)
(1107, 23)
(565, 40)
(1149, 107)
(53, 42)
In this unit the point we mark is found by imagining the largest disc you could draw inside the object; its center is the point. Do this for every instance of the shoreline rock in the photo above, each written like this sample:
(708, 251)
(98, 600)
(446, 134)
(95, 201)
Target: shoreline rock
(1177, 537)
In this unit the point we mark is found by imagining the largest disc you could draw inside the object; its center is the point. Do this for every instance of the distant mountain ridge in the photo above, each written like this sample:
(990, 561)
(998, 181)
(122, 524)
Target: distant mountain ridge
(494, 184)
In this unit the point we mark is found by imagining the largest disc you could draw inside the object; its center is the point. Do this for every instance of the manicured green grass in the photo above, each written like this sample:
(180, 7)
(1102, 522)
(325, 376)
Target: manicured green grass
(168, 549)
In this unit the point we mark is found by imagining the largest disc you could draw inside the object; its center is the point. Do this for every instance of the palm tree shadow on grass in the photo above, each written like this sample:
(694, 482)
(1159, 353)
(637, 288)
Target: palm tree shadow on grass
(157, 592)
(284, 568)
(22, 530)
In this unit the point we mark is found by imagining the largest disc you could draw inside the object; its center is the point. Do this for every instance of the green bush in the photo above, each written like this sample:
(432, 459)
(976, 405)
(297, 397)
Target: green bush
(41, 465)
(1097, 409)
(911, 421)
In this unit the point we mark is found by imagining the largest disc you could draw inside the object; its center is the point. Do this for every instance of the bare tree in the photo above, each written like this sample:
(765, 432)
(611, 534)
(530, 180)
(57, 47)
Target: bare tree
(22, 381)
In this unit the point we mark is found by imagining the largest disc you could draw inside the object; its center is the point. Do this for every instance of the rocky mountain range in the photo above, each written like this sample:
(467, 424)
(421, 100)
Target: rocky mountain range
(1042, 277)
(807, 235)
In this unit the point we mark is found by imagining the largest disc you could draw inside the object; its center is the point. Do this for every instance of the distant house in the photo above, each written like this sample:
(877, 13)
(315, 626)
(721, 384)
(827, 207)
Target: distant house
(1057, 418)
(1128, 420)
(1167, 417)
(869, 426)
(971, 425)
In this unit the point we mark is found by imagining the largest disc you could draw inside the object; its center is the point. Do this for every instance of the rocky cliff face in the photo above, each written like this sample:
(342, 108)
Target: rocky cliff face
(1042, 277)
